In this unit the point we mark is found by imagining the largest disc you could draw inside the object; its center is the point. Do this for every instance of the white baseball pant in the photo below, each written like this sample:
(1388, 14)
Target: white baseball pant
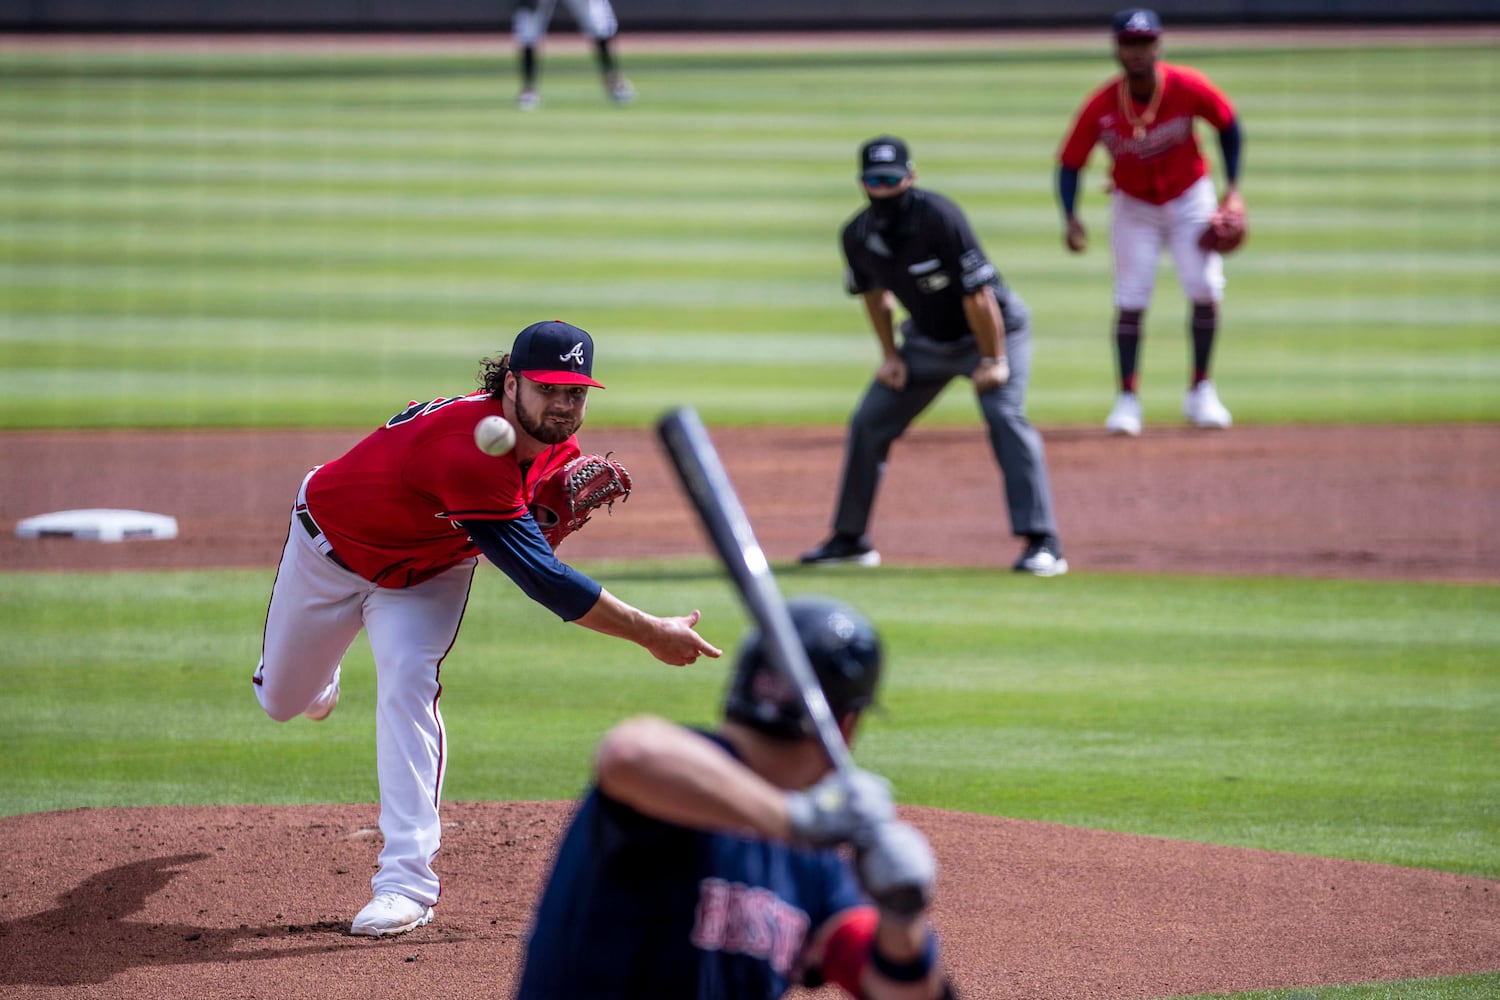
(595, 19)
(317, 608)
(1137, 231)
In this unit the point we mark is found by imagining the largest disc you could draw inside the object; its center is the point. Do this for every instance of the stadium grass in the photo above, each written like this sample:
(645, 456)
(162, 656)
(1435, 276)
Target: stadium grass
(1479, 987)
(264, 238)
(1342, 719)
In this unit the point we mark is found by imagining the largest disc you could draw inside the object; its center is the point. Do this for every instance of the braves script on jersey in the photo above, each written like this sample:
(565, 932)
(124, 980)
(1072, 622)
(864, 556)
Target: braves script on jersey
(1158, 160)
(388, 506)
(637, 907)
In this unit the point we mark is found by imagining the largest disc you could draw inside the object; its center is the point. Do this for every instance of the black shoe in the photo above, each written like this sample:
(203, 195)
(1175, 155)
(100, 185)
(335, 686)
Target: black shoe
(1043, 557)
(843, 549)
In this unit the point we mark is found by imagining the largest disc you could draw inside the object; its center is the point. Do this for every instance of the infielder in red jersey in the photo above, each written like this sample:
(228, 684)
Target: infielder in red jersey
(386, 538)
(1163, 195)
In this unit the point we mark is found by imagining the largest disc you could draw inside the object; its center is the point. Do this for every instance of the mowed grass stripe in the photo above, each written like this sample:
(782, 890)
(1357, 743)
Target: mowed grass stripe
(309, 196)
(1343, 719)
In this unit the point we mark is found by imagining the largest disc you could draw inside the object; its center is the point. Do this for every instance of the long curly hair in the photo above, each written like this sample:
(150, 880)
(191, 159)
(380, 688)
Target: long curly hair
(492, 374)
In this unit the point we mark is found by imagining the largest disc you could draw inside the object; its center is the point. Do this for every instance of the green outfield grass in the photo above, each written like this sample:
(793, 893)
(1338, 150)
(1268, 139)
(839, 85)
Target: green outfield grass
(1447, 988)
(1350, 720)
(272, 239)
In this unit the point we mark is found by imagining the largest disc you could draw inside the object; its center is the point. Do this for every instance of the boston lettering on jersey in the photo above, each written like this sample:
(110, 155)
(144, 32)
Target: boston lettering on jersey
(748, 920)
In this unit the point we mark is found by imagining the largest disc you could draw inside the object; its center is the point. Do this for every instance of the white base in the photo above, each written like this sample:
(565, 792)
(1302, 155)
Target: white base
(98, 525)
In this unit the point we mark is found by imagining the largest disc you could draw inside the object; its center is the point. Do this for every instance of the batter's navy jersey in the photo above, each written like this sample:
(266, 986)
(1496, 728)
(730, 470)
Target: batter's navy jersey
(929, 259)
(639, 908)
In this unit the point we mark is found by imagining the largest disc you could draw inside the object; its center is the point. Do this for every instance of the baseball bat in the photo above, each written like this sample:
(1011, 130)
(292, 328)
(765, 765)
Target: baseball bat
(702, 473)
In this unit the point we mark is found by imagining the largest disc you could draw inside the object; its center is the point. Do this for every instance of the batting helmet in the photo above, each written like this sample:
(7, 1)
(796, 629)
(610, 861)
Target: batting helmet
(845, 654)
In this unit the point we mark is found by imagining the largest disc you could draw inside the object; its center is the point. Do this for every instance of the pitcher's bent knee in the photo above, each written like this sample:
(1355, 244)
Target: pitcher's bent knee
(278, 709)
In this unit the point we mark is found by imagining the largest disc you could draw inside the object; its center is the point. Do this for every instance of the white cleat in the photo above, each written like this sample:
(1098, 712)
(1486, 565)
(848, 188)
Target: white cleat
(1125, 418)
(621, 91)
(390, 913)
(1042, 557)
(1202, 408)
(326, 701)
(529, 99)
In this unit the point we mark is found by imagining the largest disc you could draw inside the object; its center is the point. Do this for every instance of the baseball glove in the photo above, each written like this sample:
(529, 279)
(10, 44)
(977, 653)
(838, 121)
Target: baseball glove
(566, 499)
(1227, 228)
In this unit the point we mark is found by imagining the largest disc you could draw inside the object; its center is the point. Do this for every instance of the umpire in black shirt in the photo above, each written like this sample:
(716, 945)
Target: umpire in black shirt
(917, 247)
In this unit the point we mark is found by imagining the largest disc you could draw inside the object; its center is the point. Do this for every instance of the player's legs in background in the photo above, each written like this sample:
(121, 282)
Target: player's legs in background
(1201, 274)
(1018, 450)
(596, 20)
(1018, 445)
(1128, 348)
(1136, 233)
(529, 24)
(881, 417)
(313, 616)
(411, 631)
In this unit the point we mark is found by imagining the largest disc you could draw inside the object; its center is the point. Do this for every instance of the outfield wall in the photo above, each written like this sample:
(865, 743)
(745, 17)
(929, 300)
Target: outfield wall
(699, 15)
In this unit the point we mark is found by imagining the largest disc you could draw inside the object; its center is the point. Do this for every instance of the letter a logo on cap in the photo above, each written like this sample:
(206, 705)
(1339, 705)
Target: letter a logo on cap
(883, 154)
(576, 354)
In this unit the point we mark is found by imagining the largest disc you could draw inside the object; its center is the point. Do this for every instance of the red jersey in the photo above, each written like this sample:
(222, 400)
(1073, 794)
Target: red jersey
(388, 505)
(1154, 160)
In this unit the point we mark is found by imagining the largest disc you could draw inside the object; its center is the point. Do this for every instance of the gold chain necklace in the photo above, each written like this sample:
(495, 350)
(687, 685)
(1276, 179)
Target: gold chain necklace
(1147, 117)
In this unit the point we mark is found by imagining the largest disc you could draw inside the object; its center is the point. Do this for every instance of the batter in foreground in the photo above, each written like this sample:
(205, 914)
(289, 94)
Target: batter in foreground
(386, 537)
(706, 866)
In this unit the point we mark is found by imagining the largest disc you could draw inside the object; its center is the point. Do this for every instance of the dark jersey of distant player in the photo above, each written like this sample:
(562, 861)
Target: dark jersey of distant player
(930, 259)
(639, 908)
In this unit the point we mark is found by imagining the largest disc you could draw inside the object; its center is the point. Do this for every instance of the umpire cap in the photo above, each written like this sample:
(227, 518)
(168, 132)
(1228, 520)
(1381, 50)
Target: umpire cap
(885, 153)
(845, 653)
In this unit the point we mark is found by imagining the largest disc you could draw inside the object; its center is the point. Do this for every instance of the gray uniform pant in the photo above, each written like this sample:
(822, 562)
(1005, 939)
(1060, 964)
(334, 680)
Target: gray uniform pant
(885, 413)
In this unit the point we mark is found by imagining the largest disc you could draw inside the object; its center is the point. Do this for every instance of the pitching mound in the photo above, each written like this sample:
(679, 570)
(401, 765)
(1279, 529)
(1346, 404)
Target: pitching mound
(255, 901)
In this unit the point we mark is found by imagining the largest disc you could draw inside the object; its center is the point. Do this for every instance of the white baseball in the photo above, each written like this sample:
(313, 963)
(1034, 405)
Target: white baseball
(494, 435)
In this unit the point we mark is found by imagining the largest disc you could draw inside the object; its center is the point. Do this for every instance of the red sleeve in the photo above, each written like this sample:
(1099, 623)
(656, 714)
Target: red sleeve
(1209, 102)
(1085, 132)
(467, 483)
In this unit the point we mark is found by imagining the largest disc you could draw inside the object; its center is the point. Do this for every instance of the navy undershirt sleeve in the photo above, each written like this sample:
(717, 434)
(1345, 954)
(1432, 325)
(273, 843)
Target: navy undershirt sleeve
(1067, 188)
(1229, 142)
(522, 554)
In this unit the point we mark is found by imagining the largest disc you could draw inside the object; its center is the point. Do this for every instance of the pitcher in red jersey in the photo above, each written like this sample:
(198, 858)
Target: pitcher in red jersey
(1163, 196)
(386, 538)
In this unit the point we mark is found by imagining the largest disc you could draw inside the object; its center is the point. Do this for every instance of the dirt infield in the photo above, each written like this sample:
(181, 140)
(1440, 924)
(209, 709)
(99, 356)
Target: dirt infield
(253, 901)
(1419, 503)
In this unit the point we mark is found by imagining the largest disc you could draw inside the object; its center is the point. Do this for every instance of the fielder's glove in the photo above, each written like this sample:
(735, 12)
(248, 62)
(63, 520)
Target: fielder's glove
(841, 807)
(1227, 228)
(566, 498)
(897, 869)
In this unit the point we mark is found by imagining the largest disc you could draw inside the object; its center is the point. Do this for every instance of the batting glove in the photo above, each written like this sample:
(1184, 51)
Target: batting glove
(841, 807)
(897, 869)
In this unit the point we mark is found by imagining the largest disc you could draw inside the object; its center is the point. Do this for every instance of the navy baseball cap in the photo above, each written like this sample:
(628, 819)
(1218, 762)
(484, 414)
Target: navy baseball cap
(885, 154)
(554, 352)
(1137, 22)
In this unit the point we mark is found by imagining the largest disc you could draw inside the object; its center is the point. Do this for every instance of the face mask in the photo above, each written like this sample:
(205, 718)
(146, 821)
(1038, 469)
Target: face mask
(887, 212)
